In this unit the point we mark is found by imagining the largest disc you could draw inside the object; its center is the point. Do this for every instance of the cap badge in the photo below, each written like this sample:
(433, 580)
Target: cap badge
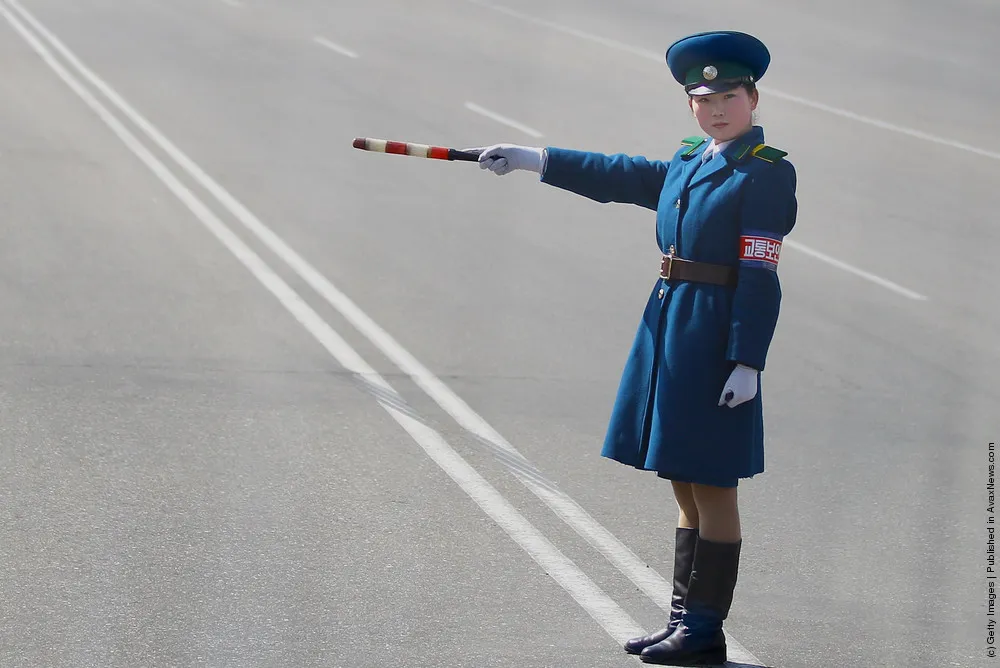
(710, 72)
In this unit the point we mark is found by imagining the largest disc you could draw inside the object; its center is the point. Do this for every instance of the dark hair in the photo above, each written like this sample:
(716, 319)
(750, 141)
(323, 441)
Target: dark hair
(751, 87)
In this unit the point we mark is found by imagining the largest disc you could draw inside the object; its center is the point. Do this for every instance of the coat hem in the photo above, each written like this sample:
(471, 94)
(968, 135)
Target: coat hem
(722, 481)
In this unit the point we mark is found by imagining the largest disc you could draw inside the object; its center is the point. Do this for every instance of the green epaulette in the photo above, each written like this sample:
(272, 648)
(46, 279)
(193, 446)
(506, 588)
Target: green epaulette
(768, 153)
(692, 143)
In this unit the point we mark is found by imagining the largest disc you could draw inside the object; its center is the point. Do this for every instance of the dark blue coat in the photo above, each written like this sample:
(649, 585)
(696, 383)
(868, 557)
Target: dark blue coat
(734, 211)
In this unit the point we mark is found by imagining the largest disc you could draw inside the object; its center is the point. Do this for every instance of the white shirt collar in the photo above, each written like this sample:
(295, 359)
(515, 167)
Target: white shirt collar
(714, 149)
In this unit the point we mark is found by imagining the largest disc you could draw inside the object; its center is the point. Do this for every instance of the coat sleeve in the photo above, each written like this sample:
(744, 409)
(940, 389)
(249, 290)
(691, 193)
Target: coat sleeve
(767, 214)
(606, 178)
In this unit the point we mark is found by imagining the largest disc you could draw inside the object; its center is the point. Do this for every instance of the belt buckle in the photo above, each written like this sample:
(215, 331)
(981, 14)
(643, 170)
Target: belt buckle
(668, 263)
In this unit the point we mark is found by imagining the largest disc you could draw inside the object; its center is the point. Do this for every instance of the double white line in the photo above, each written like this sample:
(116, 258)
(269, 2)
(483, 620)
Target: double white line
(597, 604)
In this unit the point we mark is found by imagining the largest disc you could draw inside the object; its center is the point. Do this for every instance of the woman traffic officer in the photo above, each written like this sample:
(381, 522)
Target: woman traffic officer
(689, 404)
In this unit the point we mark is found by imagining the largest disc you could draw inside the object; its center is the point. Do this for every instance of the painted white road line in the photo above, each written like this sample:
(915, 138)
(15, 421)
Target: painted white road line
(878, 280)
(647, 579)
(661, 58)
(322, 41)
(591, 598)
(558, 27)
(883, 125)
(502, 119)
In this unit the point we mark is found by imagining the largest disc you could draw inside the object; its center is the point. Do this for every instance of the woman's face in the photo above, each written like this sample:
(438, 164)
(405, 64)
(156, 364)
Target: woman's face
(724, 116)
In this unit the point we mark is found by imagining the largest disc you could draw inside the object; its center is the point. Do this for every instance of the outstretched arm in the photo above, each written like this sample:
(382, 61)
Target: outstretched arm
(606, 178)
(602, 178)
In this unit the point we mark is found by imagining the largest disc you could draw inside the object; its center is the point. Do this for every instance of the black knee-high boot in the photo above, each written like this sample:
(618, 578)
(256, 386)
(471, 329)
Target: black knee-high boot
(699, 640)
(684, 546)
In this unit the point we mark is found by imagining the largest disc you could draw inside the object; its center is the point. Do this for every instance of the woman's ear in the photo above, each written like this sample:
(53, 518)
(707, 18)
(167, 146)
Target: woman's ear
(754, 99)
(691, 105)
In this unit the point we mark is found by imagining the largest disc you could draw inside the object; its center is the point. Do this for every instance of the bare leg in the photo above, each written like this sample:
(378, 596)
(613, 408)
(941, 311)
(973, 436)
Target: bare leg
(712, 580)
(685, 542)
(718, 513)
(688, 509)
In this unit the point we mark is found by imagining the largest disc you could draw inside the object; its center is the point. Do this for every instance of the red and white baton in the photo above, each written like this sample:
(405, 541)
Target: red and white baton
(415, 150)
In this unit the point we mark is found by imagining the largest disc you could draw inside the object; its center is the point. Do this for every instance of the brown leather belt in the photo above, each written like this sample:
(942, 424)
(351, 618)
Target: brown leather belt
(674, 268)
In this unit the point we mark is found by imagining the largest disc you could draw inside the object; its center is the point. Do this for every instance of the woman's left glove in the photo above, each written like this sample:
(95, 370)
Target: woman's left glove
(741, 386)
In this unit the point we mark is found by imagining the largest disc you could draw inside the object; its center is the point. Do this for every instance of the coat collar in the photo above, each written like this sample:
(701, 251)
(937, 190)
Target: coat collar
(737, 152)
(740, 149)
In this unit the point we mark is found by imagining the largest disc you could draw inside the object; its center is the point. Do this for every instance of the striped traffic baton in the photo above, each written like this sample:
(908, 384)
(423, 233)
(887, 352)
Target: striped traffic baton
(415, 150)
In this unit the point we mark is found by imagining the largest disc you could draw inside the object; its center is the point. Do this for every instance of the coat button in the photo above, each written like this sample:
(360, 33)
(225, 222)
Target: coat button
(661, 293)
(677, 204)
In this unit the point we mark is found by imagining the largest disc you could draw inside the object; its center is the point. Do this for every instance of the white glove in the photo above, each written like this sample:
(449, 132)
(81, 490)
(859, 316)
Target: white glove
(504, 158)
(741, 386)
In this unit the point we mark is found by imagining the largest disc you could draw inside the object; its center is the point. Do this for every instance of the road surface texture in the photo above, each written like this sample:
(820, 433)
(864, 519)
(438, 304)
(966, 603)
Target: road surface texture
(268, 400)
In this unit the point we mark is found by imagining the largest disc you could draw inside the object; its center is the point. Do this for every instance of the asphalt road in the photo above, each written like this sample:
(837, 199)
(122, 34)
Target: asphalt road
(196, 470)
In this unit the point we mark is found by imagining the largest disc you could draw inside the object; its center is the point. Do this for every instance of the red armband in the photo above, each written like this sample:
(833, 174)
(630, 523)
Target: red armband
(760, 249)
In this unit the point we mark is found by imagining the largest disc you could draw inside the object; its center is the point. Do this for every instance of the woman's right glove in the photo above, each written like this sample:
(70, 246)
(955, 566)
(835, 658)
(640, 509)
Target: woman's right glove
(504, 158)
